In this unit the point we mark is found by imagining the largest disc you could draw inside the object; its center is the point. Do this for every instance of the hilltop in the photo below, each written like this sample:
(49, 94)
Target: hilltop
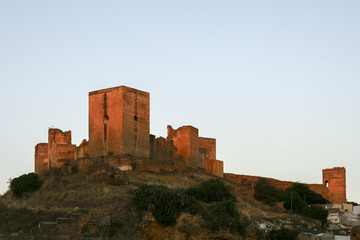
(97, 203)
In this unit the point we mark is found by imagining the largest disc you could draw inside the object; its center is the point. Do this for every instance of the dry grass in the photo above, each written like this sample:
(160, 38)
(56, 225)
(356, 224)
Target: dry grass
(59, 195)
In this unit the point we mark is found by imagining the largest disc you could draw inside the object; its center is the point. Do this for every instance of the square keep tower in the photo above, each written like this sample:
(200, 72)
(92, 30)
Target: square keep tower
(119, 122)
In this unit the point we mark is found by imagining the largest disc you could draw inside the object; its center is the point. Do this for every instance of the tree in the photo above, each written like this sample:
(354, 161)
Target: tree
(24, 184)
(266, 192)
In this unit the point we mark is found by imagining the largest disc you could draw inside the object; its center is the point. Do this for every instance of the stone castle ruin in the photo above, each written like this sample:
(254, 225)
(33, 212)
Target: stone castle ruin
(119, 126)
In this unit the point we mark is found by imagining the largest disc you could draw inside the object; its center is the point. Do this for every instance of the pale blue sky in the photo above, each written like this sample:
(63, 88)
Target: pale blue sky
(275, 82)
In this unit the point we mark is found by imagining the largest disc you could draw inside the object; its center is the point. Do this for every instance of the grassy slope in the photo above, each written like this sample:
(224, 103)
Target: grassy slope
(60, 195)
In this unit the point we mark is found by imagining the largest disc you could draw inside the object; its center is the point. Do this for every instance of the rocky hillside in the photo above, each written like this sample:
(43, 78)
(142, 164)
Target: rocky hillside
(97, 203)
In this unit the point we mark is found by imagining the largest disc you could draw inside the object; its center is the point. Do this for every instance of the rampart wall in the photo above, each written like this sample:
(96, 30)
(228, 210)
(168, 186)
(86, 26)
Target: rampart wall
(334, 175)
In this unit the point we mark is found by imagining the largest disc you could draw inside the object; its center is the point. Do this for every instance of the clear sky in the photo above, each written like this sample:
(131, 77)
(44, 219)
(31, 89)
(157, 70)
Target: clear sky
(275, 82)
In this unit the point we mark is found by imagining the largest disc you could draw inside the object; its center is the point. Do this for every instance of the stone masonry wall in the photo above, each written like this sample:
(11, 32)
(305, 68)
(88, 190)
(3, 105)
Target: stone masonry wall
(334, 180)
(60, 148)
(119, 122)
(41, 157)
(185, 139)
(207, 149)
(161, 149)
(247, 184)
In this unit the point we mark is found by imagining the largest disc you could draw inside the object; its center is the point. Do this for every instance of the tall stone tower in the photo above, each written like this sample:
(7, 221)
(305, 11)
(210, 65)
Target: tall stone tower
(119, 122)
(334, 179)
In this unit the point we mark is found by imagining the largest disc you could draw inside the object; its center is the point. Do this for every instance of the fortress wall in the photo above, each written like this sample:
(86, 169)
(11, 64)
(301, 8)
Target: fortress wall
(59, 147)
(41, 157)
(82, 150)
(334, 180)
(119, 122)
(185, 139)
(161, 149)
(247, 184)
(208, 147)
(215, 167)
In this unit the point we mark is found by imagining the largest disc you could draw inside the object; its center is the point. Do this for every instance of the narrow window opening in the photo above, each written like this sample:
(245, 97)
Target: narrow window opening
(135, 118)
(326, 183)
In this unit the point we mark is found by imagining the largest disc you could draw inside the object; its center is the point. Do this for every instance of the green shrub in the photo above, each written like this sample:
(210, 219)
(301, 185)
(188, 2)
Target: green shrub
(227, 216)
(282, 234)
(165, 203)
(25, 184)
(266, 192)
(294, 202)
(211, 191)
(309, 196)
(212, 199)
(316, 212)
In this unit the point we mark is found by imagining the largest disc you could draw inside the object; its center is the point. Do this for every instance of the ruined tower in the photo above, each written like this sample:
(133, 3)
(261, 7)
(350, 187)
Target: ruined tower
(119, 122)
(334, 179)
(60, 148)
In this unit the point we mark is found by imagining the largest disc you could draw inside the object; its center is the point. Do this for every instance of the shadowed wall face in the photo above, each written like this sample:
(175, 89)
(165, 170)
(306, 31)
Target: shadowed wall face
(119, 122)
(334, 180)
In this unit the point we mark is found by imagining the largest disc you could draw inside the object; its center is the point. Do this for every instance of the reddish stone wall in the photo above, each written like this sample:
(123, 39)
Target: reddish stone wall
(334, 180)
(82, 150)
(207, 149)
(60, 149)
(119, 122)
(247, 184)
(215, 167)
(41, 157)
(161, 149)
(185, 139)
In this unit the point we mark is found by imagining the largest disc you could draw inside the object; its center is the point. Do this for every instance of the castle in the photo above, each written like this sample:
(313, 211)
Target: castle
(119, 125)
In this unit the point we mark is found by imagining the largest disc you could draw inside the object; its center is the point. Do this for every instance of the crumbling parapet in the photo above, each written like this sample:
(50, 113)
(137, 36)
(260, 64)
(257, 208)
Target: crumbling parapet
(82, 150)
(161, 149)
(60, 148)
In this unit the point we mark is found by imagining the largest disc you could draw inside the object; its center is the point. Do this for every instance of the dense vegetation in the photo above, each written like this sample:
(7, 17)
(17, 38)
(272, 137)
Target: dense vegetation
(25, 184)
(211, 199)
(282, 234)
(296, 198)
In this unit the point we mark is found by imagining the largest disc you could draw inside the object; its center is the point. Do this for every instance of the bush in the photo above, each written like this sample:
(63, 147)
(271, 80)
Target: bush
(226, 215)
(25, 184)
(266, 192)
(297, 203)
(309, 196)
(282, 234)
(165, 203)
(316, 212)
(211, 191)
(212, 199)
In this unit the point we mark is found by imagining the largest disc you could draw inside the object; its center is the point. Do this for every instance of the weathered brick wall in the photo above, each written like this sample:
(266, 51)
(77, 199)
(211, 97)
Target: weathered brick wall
(60, 148)
(41, 157)
(82, 150)
(119, 122)
(207, 146)
(161, 149)
(215, 167)
(247, 184)
(334, 179)
(185, 139)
